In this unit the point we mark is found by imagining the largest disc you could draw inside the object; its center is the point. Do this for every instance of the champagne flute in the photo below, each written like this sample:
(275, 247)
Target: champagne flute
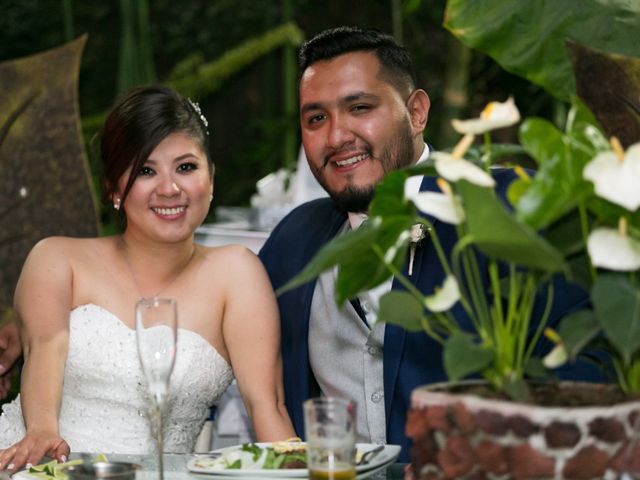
(156, 332)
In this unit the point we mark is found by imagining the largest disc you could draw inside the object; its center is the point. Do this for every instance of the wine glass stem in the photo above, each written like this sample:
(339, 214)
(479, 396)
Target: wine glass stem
(158, 415)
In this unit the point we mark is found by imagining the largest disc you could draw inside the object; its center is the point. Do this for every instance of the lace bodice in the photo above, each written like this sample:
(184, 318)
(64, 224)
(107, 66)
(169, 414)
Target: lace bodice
(104, 397)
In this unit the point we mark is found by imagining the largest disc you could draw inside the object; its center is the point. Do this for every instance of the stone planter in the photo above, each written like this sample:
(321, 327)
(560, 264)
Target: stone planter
(464, 436)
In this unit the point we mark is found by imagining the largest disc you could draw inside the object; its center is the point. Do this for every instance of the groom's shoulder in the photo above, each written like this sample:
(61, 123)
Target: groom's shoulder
(308, 217)
(305, 226)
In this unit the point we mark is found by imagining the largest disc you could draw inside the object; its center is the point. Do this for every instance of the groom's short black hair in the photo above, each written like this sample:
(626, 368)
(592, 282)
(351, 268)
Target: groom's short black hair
(396, 63)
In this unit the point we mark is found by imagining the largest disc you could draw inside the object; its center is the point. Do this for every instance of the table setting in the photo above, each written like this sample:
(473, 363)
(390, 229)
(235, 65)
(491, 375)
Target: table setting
(331, 451)
(182, 467)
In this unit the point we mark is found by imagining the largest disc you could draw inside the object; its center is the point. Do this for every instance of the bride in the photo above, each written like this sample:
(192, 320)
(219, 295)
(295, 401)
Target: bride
(82, 386)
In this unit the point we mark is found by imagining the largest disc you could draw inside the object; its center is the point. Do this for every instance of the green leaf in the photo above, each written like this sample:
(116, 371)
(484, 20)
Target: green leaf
(608, 213)
(551, 192)
(517, 389)
(340, 250)
(363, 270)
(565, 235)
(582, 121)
(477, 154)
(389, 197)
(400, 308)
(426, 167)
(541, 139)
(577, 330)
(499, 235)
(527, 37)
(617, 305)
(558, 186)
(462, 356)
(517, 189)
(534, 368)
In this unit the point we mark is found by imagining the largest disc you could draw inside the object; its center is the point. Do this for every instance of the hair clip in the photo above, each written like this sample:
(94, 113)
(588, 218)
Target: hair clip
(196, 108)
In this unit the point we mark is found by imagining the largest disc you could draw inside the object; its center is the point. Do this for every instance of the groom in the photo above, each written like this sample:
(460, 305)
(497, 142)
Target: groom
(361, 116)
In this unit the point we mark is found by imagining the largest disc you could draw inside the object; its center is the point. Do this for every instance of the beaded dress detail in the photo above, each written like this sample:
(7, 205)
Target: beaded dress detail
(105, 398)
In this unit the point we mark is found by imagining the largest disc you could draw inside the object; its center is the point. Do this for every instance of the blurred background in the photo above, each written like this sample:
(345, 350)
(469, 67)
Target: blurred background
(237, 58)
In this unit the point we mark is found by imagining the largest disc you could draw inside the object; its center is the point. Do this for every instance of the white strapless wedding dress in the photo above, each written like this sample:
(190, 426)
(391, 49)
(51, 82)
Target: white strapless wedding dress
(104, 396)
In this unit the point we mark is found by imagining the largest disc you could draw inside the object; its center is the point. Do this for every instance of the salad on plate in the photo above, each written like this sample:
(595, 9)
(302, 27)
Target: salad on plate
(289, 454)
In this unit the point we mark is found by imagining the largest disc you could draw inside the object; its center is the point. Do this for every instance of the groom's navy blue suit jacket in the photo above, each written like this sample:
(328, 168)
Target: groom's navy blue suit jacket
(410, 359)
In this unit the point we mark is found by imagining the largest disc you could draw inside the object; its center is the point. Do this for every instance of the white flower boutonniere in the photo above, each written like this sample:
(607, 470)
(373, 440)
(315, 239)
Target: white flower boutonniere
(416, 235)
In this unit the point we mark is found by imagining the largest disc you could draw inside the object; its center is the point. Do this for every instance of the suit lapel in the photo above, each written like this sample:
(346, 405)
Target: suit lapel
(394, 337)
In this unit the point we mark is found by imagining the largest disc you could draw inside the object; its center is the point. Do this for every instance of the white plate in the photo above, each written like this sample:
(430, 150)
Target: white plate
(23, 475)
(384, 458)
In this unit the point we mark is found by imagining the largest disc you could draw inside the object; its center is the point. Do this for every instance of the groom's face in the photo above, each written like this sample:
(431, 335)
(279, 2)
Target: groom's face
(355, 126)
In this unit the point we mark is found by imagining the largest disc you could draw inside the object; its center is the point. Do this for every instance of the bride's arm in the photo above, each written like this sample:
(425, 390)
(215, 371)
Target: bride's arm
(43, 301)
(251, 330)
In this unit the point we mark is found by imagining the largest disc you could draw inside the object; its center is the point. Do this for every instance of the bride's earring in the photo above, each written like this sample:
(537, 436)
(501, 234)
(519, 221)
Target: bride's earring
(210, 198)
(116, 203)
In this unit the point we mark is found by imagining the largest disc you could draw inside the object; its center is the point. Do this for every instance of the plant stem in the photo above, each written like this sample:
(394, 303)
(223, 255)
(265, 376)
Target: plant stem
(411, 288)
(584, 227)
(482, 317)
(448, 324)
(487, 151)
(436, 244)
(499, 331)
(542, 323)
(465, 291)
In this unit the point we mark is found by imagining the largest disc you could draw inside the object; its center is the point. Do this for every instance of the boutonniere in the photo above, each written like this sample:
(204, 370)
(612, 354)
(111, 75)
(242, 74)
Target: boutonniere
(416, 235)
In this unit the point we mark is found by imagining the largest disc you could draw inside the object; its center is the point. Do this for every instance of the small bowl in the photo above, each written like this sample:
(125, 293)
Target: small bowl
(109, 470)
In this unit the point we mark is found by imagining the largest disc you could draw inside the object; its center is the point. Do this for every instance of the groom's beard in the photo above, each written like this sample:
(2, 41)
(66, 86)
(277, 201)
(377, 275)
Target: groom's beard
(394, 156)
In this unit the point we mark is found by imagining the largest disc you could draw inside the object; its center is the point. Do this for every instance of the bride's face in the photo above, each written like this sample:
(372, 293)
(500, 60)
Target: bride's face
(171, 195)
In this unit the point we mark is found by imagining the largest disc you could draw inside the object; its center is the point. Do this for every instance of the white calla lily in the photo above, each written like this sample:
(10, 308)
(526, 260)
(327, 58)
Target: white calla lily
(445, 297)
(617, 179)
(557, 357)
(495, 115)
(441, 206)
(454, 169)
(608, 248)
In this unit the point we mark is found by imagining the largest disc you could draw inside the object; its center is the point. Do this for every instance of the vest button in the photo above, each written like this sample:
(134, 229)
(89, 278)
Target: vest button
(376, 397)
(374, 350)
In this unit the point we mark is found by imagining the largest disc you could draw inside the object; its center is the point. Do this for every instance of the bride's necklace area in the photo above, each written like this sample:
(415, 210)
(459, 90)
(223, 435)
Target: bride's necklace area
(167, 284)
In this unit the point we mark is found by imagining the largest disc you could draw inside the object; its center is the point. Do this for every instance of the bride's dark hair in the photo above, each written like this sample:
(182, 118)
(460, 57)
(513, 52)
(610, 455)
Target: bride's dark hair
(139, 121)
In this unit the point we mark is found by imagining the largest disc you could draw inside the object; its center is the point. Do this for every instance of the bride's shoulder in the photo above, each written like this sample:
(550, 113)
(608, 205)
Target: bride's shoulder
(231, 252)
(70, 246)
(230, 257)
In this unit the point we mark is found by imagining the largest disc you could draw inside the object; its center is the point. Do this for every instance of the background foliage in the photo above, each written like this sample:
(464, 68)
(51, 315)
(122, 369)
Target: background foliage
(247, 112)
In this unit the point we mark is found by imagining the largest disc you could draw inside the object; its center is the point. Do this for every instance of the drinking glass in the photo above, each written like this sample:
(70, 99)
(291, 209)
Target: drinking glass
(156, 332)
(330, 431)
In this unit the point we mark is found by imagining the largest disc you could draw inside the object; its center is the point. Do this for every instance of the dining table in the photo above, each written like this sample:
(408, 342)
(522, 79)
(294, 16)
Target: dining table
(175, 466)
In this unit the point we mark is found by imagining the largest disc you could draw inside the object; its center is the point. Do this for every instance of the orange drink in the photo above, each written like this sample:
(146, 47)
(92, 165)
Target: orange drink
(338, 472)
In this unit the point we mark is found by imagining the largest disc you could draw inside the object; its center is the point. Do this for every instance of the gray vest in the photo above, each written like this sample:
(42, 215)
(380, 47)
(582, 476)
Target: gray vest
(346, 358)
